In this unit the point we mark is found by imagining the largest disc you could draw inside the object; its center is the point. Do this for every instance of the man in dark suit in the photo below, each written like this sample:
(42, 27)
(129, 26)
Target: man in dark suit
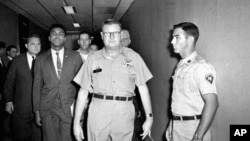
(54, 91)
(2, 79)
(18, 93)
(2, 67)
(11, 53)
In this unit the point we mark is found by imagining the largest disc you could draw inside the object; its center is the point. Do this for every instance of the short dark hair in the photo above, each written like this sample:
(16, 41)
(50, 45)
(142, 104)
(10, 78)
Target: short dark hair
(84, 32)
(110, 22)
(190, 29)
(2, 45)
(32, 36)
(9, 47)
(57, 26)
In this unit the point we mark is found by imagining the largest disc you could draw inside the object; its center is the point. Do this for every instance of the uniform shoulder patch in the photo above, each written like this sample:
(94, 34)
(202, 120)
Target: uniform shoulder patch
(210, 78)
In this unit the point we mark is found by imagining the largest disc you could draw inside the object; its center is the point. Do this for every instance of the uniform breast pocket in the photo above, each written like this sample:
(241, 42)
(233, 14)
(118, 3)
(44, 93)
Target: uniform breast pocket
(129, 74)
(126, 78)
(96, 77)
(183, 81)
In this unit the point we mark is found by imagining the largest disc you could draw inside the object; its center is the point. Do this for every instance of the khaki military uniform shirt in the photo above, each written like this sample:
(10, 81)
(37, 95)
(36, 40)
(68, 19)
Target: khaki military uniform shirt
(104, 75)
(193, 77)
(84, 56)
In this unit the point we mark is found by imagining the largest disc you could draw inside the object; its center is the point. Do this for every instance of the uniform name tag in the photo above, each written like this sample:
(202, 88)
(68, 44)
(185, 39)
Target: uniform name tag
(97, 70)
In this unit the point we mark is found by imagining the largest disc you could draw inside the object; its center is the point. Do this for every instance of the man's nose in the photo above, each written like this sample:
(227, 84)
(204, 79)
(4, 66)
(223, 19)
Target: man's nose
(112, 35)
(173, 41)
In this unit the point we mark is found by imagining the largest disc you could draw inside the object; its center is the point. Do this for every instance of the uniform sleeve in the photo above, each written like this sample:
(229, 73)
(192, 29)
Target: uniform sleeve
(205, 78)
(83, 77)
(143, 74)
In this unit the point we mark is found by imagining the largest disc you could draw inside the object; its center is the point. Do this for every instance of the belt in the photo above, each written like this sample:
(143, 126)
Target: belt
(110, 97)
(197, 117)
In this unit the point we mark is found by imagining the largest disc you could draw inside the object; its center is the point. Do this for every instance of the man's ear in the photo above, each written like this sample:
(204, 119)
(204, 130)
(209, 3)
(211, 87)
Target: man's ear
(26, 45)
(191, 39)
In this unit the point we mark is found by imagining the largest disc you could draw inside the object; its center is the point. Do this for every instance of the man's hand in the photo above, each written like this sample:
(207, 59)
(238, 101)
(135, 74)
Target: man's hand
(147, 127)
(78, 132)
(38, 118)
(9, 107)
(168, 133)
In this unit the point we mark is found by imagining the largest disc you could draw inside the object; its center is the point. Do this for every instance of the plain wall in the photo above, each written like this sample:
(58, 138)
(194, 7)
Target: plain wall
(224, 42)
(44, 35)
(9, 28)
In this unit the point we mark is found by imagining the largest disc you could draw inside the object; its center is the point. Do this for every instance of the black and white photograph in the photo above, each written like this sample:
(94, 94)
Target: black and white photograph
(124, 70)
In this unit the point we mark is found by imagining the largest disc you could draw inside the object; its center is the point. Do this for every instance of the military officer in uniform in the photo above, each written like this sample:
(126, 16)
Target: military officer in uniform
(194, 97)
(84, 41)
(111, 75)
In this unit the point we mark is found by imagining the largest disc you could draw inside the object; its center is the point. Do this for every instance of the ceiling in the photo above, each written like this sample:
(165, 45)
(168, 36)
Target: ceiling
(89, 13)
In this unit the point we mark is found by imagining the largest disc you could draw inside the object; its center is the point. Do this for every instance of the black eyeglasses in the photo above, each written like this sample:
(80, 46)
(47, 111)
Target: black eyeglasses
(108, 34)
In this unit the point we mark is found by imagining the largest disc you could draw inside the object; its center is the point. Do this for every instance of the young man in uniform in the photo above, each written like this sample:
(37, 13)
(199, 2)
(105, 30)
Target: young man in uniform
(84, 41)
(194, 97)
(111, 75)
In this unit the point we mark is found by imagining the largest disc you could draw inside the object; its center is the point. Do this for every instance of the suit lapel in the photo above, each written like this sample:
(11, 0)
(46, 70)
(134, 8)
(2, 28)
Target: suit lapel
(51, 64)
(5, 61)
(65, 61)
(26, 63)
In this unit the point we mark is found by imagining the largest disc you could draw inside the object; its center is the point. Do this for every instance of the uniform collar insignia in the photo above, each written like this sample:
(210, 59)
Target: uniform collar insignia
(190, 58)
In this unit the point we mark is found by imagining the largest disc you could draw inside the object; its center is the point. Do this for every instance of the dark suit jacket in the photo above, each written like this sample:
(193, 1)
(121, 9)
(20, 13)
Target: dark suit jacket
(7, 61)
(18, 86)
(2, 77)
(47, 85)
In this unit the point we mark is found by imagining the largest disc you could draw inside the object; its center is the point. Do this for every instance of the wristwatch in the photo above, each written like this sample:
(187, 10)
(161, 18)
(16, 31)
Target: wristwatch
(149, 115)
(197, 137)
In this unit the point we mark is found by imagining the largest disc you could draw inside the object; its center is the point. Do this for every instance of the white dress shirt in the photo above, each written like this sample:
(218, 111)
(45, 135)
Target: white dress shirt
(29, 57)
(54, 57)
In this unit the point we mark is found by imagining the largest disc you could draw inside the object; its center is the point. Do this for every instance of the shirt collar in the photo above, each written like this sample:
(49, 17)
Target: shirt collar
(10, 57)
(59, 51)
(105, 54)
(30, 56)
(189, 59)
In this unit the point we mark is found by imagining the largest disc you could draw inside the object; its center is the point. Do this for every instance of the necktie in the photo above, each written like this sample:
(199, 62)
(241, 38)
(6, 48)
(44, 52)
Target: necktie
(59, 65)
(33, 65)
